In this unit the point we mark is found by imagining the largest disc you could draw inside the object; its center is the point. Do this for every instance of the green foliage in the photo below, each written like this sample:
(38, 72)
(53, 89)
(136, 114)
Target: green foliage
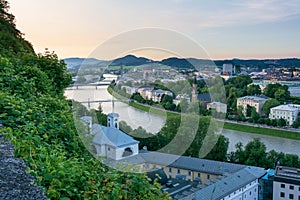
(11, 40)
(281, 122)
(219, 151)
(277, 91)
(254, 115)
(270, 103)
(39, 122)
(253, 90)
(255, 154)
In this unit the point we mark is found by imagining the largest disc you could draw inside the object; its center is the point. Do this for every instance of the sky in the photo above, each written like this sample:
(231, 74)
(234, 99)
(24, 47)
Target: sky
(244, 29)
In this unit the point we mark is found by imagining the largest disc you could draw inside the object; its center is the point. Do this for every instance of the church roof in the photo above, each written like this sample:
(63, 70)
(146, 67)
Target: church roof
(111, 136)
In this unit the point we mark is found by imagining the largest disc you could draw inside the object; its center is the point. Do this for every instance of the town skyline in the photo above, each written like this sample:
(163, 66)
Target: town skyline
(226, 30)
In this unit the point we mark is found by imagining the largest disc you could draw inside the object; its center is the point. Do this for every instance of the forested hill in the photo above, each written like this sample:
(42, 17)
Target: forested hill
(11, 39)
(38, 120)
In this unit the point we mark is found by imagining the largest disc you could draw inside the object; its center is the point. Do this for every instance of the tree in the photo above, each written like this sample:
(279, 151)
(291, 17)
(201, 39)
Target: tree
(281, 122)
(255, 153)
(254, 115)
(282, 95)
(219, 151)
(271, 89)
(238, 156)
(240, 116)
(231, 99)
(275, 158)
(291, 160)
(249, 110)
(253, 90)
(270, 103)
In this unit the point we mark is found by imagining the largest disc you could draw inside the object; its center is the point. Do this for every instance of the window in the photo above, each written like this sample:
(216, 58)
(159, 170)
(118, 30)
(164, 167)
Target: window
(178, 171)
(190, 173)
(291, 196)
(108, 148)
(170, 169)
(282, 194)
(208, 176)
(199, 174)
(291, 187)
(250, 193)
(282, 185)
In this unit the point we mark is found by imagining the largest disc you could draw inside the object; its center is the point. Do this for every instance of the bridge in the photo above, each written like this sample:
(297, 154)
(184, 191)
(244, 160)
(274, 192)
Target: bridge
(105, 101)
(76, 86)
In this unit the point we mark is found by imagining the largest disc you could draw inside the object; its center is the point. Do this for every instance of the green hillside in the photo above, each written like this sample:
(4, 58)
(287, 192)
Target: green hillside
(38, 120)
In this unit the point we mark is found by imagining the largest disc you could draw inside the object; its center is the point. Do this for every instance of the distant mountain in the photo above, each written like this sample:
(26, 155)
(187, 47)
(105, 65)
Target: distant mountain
(181, 63)
(75, 63)
(177, 63)
(130, 60)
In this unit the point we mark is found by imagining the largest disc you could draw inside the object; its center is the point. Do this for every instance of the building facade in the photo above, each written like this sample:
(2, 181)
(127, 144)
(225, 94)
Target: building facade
(227, 69)
(287, 112)
(286, 183)
(217, 106)
(112, 143)
(254, 101)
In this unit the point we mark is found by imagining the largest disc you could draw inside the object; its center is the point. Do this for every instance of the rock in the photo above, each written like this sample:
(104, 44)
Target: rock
(14, 182)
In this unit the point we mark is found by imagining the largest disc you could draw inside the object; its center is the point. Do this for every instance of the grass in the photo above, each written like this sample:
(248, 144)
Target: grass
(262, 131)
(153, 110)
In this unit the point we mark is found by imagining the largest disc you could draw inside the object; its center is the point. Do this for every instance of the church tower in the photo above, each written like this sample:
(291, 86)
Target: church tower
(113, 120)
(195, 91)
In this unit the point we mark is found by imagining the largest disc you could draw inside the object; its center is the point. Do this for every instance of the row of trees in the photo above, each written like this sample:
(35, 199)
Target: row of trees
(254, 153)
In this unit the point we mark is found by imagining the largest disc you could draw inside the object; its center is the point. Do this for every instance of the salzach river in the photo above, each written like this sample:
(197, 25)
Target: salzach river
(153, 123)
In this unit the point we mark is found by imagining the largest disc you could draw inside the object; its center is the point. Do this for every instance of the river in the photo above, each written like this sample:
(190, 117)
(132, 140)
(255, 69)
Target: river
(153, 123)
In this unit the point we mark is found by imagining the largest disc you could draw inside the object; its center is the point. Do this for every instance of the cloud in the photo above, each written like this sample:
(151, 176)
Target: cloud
(233, 13)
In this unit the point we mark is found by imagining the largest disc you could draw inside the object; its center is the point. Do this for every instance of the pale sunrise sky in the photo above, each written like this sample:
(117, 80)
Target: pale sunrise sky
(224, 28)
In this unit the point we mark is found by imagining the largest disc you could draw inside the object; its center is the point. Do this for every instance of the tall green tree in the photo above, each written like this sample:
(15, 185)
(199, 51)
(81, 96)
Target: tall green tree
(253, 90)
(270, 103)
(219, 151)
(255, 153)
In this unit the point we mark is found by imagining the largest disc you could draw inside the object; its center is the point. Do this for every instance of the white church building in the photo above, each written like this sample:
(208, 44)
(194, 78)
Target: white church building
(110, 142)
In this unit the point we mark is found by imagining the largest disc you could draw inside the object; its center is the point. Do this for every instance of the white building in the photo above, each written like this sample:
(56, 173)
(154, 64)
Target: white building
(242, 185)
(180, 97)
(288, 112)
(254, 101)
(112, 143)
(151, 94)
(217, 106)
(286, 184)
(227, 69)
(129, 90)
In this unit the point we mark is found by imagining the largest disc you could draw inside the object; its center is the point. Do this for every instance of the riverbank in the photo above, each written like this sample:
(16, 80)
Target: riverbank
(262, 131)
(275, 132)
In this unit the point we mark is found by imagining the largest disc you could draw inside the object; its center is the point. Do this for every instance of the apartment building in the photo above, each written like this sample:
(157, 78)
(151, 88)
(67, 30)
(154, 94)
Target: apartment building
(287, 112)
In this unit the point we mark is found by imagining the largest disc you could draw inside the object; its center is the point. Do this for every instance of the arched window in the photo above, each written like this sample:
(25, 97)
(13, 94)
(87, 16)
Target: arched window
(127, 152)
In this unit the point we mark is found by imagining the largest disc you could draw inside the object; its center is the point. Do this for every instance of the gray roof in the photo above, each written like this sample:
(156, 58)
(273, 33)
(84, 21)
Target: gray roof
(204, 97)
(254, 98)
(189, 163)
(111, 136)
(229, 184)
(287, 107)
